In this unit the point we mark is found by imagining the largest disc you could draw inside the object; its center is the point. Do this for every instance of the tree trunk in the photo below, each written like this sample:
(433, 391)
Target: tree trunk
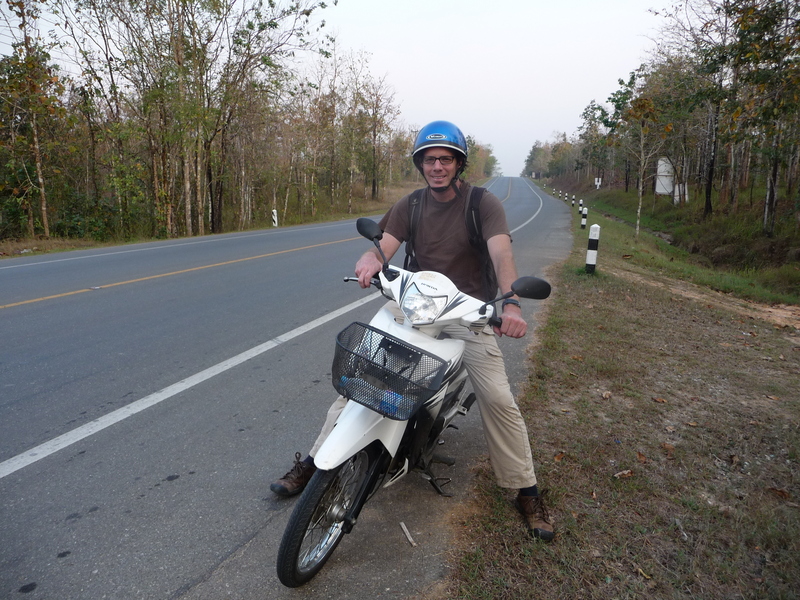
(38, 156)
(198, 177)
(712, 158)
(771, 201)
(640, 185)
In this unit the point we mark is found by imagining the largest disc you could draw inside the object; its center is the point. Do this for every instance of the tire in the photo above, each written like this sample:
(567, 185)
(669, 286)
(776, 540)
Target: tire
(316, 525)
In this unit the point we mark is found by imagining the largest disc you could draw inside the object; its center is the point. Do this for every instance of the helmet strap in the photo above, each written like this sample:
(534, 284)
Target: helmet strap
(442, 189)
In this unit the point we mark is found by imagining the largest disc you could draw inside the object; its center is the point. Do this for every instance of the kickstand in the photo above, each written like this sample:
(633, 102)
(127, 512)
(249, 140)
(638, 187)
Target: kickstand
(434, 481)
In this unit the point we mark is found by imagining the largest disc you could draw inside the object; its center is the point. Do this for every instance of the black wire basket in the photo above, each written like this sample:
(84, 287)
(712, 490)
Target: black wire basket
(384, 373)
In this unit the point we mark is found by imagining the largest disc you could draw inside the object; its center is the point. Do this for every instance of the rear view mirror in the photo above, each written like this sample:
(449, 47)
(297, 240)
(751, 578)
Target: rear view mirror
(531, 287)
(369, 229)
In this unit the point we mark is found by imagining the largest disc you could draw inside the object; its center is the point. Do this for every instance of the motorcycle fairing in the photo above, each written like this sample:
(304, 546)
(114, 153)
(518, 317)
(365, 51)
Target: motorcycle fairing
(340, 443)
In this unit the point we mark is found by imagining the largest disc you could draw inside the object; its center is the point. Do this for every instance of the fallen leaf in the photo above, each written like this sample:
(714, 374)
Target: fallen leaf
(668, 448)
(773, 397)
(606, 395)
(559, 456)
(782, 494)
(670, 429)
(643, 574)
(691, 424)
(725, 344)
(577, 357)
(594, 495)
(622, 474)
(660, 400)
(627, 256)
(734, 460)
(642, 458)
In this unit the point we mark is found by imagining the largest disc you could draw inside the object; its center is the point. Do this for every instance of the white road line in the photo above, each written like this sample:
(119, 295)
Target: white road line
(541, 205)
(71, 437)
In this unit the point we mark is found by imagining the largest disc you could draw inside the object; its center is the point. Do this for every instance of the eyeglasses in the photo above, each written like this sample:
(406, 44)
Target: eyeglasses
(444, 160)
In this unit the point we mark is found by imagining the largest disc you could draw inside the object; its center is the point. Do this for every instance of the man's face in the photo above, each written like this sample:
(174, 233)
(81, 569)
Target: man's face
(436, 174)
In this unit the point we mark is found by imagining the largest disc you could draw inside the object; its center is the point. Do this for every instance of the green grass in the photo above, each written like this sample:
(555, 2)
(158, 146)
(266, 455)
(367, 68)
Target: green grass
(726, 252)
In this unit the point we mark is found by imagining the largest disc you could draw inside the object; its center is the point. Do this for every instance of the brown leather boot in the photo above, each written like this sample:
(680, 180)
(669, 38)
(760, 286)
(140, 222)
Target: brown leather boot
(295, 480)
(536, 517)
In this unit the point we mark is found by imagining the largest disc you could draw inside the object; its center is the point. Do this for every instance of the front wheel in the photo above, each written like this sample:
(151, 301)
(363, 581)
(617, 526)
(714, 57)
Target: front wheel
(317, 523)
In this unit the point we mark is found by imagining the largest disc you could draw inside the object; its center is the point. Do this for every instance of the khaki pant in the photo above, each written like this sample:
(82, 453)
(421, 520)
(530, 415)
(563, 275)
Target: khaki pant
(503, 425)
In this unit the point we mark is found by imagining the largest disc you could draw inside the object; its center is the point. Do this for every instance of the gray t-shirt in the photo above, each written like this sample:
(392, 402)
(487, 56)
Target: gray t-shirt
(442, 240)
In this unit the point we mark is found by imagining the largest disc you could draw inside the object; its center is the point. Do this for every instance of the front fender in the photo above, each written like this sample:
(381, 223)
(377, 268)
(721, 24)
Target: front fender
(355, 429)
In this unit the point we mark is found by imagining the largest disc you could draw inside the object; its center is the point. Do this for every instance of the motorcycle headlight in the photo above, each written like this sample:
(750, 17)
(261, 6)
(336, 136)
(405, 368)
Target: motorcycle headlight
(421, 309)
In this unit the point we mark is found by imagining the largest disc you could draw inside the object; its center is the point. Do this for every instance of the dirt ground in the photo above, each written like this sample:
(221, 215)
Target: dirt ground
(782, 315)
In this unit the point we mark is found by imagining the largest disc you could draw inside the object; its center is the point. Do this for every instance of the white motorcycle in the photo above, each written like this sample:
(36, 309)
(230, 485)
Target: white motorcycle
(405, 385)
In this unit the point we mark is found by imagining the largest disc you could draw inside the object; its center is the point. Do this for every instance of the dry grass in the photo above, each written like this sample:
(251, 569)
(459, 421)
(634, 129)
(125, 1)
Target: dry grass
(11, 248)
(666, 425)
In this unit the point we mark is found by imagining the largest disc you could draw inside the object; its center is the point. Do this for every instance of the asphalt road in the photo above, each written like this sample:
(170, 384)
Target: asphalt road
(150, 393)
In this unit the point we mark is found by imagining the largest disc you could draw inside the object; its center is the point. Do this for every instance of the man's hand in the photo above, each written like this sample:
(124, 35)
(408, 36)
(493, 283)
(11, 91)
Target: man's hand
(513, 324)
(366, 267)
(370, 263)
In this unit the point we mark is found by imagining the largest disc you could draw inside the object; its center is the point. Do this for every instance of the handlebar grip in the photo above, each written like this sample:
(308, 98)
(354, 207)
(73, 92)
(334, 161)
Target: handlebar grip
(495, 322)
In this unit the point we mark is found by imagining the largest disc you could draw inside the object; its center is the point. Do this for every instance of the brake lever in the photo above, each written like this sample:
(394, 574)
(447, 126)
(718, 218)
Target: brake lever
(374, 281)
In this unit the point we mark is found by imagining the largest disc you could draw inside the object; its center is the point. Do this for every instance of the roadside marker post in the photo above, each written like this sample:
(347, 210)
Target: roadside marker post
(274, 218)
(591, 253)
(583, 218)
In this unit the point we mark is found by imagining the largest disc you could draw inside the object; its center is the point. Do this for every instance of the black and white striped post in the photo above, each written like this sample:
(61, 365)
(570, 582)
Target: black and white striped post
(274, 218)
(591, 253)
(583, 218)
(580, 204)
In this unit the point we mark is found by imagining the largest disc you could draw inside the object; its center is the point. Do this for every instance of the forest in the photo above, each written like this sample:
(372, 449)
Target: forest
(134, 119)
(718, 103)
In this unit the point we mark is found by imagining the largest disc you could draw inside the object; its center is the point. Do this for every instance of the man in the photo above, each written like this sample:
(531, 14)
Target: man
(441, 242)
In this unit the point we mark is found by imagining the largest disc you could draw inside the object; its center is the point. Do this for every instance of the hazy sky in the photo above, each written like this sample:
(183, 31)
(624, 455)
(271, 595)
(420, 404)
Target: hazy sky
(507, 72)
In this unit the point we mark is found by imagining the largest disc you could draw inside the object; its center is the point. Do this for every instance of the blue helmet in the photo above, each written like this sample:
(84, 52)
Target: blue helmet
(440, 134)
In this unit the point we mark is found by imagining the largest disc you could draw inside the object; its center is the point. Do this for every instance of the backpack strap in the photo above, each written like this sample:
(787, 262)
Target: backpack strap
(473, 217)
(414, 210)
(475, 230)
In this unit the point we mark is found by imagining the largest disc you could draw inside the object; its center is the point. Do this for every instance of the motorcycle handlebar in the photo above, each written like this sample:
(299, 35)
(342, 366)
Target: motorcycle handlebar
(374, 281)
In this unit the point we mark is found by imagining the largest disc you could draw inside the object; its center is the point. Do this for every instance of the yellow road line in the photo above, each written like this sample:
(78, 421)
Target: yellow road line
(229, 262)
